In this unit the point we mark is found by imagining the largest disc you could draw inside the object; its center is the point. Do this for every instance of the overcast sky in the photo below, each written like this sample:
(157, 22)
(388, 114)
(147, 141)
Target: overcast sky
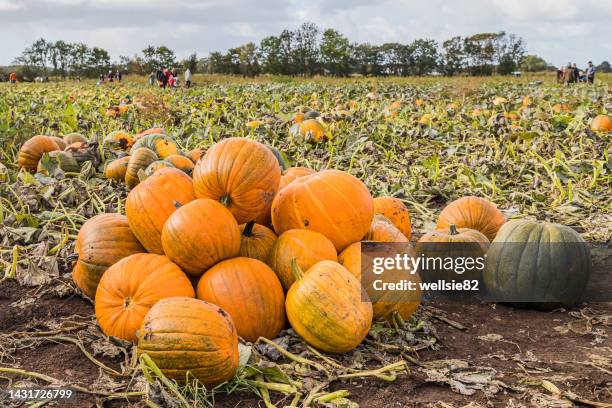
(557, 30)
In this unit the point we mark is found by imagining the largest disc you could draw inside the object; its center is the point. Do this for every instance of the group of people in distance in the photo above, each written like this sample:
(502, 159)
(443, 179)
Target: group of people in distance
(572, 74)
(111, 76)
(169, 78)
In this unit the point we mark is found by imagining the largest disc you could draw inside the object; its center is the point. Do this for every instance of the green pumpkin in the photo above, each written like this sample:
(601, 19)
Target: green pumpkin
(51, 162)
(161, 144)
(537, 264)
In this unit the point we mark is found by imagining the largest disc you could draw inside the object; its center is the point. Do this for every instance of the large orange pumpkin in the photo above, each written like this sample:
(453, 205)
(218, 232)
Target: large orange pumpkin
(250, 292)
(293, 173)
(139, 160)
(382, 230)
(327, 308)
(396, 212)
(256, 241)
(129, 288)
(472, 212)
(240, 173)
(332, 202)
(33, 149)
(149, 205)
(200, 234)
(601, 123)
(183, 335)
(102, 241)
(116, 169)
(306, 247)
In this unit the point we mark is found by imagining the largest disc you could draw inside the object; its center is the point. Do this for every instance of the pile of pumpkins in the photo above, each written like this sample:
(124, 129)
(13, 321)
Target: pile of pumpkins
(243, 249)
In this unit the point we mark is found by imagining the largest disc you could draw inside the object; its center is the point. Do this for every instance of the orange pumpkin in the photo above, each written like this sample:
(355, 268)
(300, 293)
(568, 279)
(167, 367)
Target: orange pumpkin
(306, 247)
(395, 211)
(250, 292)
(72, 138)
(157, 165)
(119, 139)
(151, 131)
(181, 162)
(332, 202)
(240, 173)
(162, 145)
(129, 288)
(102, 241)
(200, 234)
(311, 130)
(327, 308)
(183, 335)
(472, 212)
(116, 169)
(256, 241)
(139, 160)
(149, 205)
(382, 230)
(196, 154)
(33, 149)
(293, 173)
(601, 123)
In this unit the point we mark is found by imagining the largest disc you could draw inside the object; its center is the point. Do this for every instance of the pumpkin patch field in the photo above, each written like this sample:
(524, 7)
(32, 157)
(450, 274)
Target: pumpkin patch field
(202, 247)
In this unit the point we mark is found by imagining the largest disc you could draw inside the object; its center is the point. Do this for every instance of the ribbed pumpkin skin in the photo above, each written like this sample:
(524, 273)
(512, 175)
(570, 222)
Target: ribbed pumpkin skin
(256, 241)
(161, 144)
(196, 154)
(119, 140)
(157, 165)
(189, 335)
(602, 123)
(116, 169)
(181, 162)
(332, 202)
(32, 150)
(325, 307)
(149, 205)
(139, 160)
(200, 234)
(250, 292)
(472, 212)
(306, 247)
(102, 241)
(522, 264)
(242, 174)
(129, 288)
(395, 211)
(294, 173)
(382, 230)
(384, 304)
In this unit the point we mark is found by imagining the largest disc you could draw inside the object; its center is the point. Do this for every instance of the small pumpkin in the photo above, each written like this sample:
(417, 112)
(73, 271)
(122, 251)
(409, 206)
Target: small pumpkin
(156, 165)
(537, 264)
(395, 211)
(250, 292)
(382, 230)
(326, 307)
(195, 154)
(139, 160)
(161, 144)
(602, 123)
(119, 139)
(102, 241)
(116, 169)
(50, 162)
(33, 149)
(150, 203)
(84, 151)
(71, 138)
(183, 335)
(181, 162)
(129, 288)
(240, 173)
(472, 212)
(256, 241)
(293, 173)
(331, 202)
(311, 130)
(306, 247)
(200, 234)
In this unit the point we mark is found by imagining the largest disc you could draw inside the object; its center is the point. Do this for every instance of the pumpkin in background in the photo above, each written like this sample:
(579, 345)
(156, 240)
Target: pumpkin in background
(149, 205)
(306, 247)
(472, 212)
(181, 162)
(327, 308)
(384, 303)
(331, 202)
(293, 173)
(33, 149)
(453, 243)
(129, 288)
(72, 138)
(537, 264)
(395, 211)
(195, 154)
(601, 123)
(83, 151)
(102, 241)
(200, 234)
(561, 107)
(118, 139)
(311, 130)
(183, 335)
(382, 230)
(256, 241)
(151, 131)
(161, 144)
(156, 165)
(139, 160)
(240, 173)
(250, 292)
(116, 169)
(57, 159)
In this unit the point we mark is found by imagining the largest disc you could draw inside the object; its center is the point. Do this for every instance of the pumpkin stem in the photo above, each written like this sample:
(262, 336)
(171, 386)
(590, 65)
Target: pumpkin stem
(248, 229)
(225, 200)
(453, 230)
(177, 204)
(295, 269)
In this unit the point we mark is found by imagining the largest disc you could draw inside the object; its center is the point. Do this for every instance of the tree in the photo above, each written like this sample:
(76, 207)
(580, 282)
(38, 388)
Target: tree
(270, 55)
(604, 67)
(191, 63)
(247, 57)
(158, 57)
(424, 56)
(335, 51)
(368, 59)
(306, 49)
(533, 63)
(452, 58)
(481, 50)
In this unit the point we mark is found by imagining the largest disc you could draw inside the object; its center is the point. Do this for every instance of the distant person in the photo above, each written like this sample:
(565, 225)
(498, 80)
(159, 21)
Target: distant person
(101, 78)
(188, 78)
(152, 78)
(568, 74)
(171, 80)
(590, 73)
(560, 75)
(111, 76)
(174, 72)
(576, 72)
(13, 77)
(159, 75)
(166, 77)
(119, 75)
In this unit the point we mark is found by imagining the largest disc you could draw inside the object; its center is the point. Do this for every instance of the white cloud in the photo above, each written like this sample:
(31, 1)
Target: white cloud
(10, 5)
